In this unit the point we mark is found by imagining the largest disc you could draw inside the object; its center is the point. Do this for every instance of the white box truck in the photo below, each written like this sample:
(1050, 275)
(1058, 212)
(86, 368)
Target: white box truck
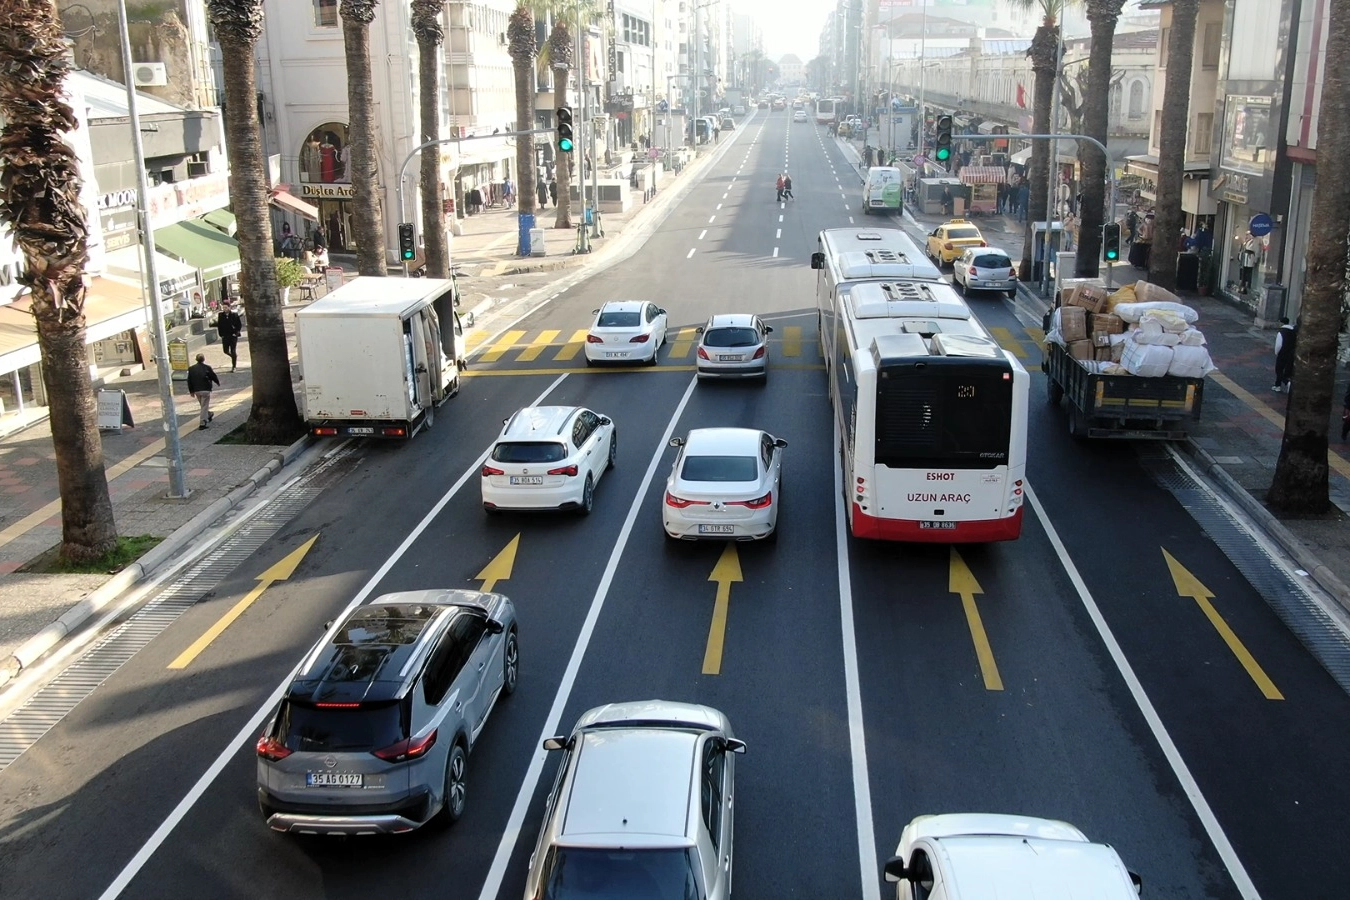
(378, 355)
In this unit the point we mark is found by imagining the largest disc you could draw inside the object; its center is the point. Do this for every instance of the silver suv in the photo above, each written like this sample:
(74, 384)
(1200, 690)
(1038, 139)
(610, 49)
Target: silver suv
(641, 807)
(374, 733)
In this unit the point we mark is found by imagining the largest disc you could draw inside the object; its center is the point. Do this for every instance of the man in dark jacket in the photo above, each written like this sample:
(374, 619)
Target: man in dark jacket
(541, 191)
(1285, 341)
(230, 326)
(553, 191)
(200, 378)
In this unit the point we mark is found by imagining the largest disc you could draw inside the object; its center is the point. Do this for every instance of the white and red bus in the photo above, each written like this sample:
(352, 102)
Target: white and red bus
(931, 411)
(827, 111)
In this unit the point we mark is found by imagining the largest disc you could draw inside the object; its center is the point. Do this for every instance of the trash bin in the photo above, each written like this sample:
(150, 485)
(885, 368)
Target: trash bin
(536, 242)
(526, 224)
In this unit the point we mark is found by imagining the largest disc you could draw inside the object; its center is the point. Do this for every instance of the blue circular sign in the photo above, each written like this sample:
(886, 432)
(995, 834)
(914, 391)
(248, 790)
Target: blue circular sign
(1261, 225)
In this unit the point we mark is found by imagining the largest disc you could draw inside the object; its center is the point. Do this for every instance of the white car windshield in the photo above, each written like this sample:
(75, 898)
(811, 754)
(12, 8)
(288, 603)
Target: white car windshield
(529, 452)
(720, 468)
(619, 320)
(584, 873)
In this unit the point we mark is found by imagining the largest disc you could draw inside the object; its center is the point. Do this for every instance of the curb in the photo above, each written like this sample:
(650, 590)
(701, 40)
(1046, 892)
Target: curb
(33, 649)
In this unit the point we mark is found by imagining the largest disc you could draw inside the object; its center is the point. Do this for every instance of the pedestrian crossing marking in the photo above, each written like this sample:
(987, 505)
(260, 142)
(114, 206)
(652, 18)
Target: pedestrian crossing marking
(683, 342)
(475, 338)
(537, 346)
(573, 346)
(792, 340)
(1008, 342)
(1037, 335)
(506, 342)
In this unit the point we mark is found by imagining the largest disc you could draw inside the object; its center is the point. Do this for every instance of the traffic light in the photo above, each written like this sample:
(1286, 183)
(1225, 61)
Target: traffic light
(565, 129)
(943, 147)
(407, 243)
(1111, 241)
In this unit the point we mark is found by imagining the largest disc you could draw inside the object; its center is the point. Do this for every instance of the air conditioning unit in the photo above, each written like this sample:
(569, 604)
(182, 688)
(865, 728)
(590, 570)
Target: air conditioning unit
(198, 169)
(150, 74)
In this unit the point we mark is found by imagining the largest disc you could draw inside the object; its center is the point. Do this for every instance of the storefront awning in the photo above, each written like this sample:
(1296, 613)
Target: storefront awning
(1023, 156)
(174, 277)
(109, 308)
(200, 246)
(222, 220)
(285, 201)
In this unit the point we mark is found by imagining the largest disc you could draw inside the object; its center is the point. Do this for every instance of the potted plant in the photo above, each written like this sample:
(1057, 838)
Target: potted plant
(1209, 272)
(289, 274)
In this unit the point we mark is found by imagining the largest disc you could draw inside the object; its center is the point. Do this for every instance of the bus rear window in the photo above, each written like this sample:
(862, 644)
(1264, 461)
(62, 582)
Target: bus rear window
(950, 419)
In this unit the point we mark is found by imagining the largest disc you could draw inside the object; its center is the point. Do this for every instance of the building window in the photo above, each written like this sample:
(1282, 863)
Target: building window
(1209, 53)
(326, 13)
(1137, 100)
(1203, 134)
(1164, 42)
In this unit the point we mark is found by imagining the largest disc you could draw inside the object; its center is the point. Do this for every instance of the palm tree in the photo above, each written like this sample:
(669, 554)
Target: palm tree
(1300, 483)
(426, 25)
(40, 201)
(521, 44)
(367, 214)
(1102, 16)
(1167, 212)
(1044, 54)
(273, 417)
(561, 53)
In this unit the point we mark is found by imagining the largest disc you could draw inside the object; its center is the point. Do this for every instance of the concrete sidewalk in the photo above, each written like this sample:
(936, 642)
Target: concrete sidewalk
(37, 611)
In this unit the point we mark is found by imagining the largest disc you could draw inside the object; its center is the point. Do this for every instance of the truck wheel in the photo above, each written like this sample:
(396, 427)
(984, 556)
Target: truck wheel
(1053, 393)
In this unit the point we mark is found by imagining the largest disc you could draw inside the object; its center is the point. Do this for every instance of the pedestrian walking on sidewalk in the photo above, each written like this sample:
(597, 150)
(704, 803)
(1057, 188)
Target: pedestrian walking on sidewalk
(230, 326)
(553, 191)
(200, 378)
(1285, 340)
(787, 186)
(541, 191)
(779, 185)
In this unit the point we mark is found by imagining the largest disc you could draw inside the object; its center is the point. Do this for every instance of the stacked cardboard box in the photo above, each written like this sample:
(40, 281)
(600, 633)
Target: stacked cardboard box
(1091, 297)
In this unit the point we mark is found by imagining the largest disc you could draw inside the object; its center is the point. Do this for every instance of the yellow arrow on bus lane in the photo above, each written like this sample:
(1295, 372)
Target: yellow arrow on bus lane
(961, 581)
(726, 572)
(1189, 586)
(500, 567)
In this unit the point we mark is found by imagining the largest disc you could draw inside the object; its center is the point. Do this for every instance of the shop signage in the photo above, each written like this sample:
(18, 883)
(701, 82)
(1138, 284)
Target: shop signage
(327, 191)
(1261, 225)
(1233, 188)
(114, 411)
(178, 358)
(168, 204)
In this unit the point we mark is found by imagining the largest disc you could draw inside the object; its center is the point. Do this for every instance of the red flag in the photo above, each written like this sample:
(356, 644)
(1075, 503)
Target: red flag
(1021, 96)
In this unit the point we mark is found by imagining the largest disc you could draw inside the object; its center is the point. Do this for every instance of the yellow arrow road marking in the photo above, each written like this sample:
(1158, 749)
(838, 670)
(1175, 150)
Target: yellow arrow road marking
(537, 346)
(960, 580)
(1188, 585)
(500, 567)
(282, 570)
(727, 571)
(683, 343)
(573, 346)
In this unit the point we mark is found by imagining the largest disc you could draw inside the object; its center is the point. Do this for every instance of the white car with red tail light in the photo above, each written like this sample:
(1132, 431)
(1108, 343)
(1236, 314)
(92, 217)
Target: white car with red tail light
(549, 457)
(985, 269)
(626, 331)
(725, 483)
(733, 346)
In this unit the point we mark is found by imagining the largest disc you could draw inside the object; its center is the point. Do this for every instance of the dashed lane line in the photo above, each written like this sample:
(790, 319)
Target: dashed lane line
(691, 253)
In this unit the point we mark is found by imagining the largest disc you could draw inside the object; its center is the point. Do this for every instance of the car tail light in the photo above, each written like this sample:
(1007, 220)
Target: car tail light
(703, 354)
(394, 431)
(678, 502)
(592, 339)
(984, 243)
(565, 470)
(323, 431)
(973, 272)
(759, 354)
(640, 339)
(403, 751)
(757, 503)
(272, 749)
(1012, 273)
(948, 246)
(490, 470)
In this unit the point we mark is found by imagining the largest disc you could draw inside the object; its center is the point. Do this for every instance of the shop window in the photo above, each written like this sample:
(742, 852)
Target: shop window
(323, 157)
(326, 13)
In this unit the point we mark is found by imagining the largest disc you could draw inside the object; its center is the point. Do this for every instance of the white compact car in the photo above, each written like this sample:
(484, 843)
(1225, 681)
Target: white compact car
(985, 269)
(626, 331)
(549, 457)
(799, 116)
(725, 484)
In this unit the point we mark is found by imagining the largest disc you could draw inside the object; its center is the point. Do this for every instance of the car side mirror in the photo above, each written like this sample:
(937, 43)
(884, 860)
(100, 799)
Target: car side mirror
(327, 625)
(677, 442)
(1137, 882)
(494, 627)
(595, 312)
(555, 743)
(779, 443)
(895, 869)
(605, 420)
(660, 311)
(733, 745)
(817, 260)
(768, 329)
(698, 330)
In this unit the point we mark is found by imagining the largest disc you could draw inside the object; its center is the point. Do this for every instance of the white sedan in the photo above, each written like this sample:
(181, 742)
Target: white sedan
(548, 457)
(799, 116)
(725, 484)
(626, 331)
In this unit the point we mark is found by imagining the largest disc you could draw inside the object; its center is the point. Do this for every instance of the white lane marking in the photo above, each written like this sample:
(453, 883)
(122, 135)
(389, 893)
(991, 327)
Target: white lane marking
(710, 218)
(857, 736)
(782, 205)
(249, 732)
(850, 220)
(724, 196)
(780, 217)
(702, 233)
(778, 233)
(775, 252)
(691, 253)
(492, 884)
(733, 179)
(845, 207)
(1179, 768)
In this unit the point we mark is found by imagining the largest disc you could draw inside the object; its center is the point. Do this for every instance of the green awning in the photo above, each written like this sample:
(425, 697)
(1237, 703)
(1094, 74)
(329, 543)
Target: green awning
(199, 245)
(221, 220)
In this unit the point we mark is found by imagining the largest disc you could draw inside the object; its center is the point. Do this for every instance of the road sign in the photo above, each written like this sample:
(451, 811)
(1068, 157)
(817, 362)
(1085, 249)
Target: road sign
(1261, 225)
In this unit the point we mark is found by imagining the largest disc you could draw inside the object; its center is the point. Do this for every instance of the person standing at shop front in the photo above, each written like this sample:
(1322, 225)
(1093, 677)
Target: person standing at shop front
(200, 378)
(230, 326)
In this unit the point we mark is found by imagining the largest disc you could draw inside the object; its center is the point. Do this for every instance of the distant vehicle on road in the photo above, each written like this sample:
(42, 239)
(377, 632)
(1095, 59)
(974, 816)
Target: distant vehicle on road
(733, 346)
(738, 110)
(799, 116)
(952, 238)
(626, 331)
(549, 457)
(826, 111)
(985, 269)
(725, 483)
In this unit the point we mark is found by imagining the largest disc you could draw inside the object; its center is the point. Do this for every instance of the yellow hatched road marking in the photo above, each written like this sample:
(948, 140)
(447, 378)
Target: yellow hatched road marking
(573, 346)
(1037, 335)
(474, 339)
(1008, 342)
(792, 340)
(537, 346)
(506, 342)
(683, 342)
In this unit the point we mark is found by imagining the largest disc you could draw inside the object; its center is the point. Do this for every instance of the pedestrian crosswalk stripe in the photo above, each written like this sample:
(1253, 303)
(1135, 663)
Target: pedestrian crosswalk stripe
(573, 346)
(475, 338)
(1037, 335)
(683, 342)
(506, 342)
(792, 340)
(537, 346)
(1008, 342)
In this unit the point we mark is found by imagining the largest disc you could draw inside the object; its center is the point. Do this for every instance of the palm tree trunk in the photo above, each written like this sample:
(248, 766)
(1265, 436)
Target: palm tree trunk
(1167, 214)
(523, 48)
(40, 201)
(1044, 54)
(1096, 121)
(367, 211)
(564, 172)
(1300, 483)
(427, 27)
(274, 417)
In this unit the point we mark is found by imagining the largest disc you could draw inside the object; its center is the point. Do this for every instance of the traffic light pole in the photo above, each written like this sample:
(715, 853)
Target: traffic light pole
(403, 169)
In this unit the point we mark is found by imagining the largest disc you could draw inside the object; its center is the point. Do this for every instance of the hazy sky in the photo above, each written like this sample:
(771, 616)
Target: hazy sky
(789, 27)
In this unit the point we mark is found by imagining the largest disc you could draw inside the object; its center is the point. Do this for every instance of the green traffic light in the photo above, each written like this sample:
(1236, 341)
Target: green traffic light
(1112, 255)
(943, 154)
(565, 145)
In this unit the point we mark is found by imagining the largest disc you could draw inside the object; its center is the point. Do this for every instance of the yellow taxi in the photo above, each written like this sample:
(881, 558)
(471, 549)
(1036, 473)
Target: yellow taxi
(947, 242)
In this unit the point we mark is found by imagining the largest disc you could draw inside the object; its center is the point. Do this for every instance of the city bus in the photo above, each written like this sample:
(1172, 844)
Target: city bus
(931, 412)
(826, 111)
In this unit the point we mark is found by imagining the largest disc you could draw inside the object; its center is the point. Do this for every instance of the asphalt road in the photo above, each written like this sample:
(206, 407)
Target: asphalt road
(1122, 707)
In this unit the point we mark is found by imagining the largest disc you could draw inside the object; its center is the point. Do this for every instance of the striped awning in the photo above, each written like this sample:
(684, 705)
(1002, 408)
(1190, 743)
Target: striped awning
(982, 175)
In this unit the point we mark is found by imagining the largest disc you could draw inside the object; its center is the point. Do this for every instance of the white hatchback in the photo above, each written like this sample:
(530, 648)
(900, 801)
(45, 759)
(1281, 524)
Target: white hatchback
(549, 457)
(626, 331)
(725, 484)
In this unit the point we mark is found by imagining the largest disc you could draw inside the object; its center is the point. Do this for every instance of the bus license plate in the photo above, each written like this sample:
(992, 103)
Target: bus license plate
(716, 529)
(937, 526)
(527, 479)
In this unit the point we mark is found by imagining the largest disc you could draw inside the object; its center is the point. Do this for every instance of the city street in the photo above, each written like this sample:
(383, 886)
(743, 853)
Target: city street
(1147, 692)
